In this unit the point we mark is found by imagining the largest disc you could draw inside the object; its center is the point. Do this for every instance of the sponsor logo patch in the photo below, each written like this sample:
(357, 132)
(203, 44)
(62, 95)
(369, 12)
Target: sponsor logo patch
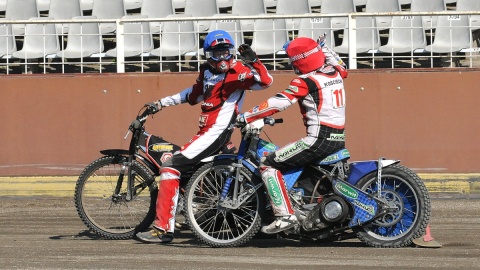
(337, 137)
(346, 191)
(160, 147)
(274, 191)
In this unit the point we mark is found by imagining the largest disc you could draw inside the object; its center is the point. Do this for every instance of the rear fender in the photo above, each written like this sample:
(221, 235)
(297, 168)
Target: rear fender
(358, 169)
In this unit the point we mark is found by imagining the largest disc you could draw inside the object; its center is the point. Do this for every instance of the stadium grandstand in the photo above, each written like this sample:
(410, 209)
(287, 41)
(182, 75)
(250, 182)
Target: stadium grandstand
(117, 36)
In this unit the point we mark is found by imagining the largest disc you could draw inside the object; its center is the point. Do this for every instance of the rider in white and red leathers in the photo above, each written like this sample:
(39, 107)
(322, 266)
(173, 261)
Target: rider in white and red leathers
(320, 92)
(220, 88)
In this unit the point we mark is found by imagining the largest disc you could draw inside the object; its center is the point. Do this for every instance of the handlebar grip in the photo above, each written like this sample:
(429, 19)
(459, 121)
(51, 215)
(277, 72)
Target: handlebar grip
(279, 120)
(272, 121)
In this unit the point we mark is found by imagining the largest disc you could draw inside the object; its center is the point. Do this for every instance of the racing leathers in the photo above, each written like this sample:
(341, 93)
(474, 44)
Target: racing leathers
(321, 97)
(221, 96)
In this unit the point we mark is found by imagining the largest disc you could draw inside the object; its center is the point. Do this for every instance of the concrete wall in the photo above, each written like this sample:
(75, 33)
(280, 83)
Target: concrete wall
(56, 124)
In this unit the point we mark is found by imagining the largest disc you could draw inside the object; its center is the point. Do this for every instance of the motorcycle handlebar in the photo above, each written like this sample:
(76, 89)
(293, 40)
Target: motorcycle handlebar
(272, 121)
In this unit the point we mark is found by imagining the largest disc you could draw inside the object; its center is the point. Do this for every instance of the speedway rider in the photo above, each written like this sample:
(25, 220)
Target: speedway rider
(220, 88)
(320, 92)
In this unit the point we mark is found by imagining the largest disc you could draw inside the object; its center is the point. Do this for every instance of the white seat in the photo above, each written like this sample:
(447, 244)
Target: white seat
(7, 40)
(405, 35)
(315, 27)
(64, 10)
(383, 22)
(270, 3)
(84, 39)
(43, 5)
(179, 4)
(405, 2)
(248, 8)
(429, 22)
(204, 8)
(132, 4)
(137, 40)
(20, 10)
(315, 3)
(108, 9)
(178, 38)
(338, 6)
(157, 9)
(451, 35)
(368, 38)
(269, 36)
(469, 5)
(40, 40)
(86, 4)
(3, 5)
(360, 2)
(286, 7)
(233, 27)
(224, 3)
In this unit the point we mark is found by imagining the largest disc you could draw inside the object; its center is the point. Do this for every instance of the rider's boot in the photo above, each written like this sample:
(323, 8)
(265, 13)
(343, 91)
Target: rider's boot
(155, 235)
(281, 224)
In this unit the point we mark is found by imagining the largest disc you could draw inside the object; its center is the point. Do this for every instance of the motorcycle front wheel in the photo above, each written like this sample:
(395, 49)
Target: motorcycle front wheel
(408, 197)
(107, 213)
(211, 220)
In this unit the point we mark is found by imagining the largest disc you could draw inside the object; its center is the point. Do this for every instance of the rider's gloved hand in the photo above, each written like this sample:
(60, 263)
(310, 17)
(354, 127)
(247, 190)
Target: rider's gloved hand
(154, 107)
(255, 126)
(247, 55)
(321, 39)
(240, 122)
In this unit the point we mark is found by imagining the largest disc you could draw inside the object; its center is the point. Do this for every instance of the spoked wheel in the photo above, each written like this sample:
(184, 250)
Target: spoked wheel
(409, 203)
(220, 222)
(111, 215)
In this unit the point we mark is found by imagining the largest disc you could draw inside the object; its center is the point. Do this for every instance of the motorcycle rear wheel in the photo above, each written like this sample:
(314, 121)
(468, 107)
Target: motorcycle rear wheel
(404, 189)
(213, 224)
(112, 216)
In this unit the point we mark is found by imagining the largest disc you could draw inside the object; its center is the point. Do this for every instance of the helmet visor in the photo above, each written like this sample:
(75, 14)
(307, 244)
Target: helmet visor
(220, 54)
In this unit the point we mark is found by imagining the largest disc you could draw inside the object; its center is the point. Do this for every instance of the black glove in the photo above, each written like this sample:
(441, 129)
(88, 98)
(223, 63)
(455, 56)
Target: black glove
(247, 55)
(153, 107)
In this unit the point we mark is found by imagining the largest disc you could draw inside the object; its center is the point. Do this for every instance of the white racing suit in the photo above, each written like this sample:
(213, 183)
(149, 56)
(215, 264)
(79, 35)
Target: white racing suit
(221, 96)
(321, 96)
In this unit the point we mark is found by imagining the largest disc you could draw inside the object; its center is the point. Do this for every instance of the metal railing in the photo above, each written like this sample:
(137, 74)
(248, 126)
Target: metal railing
(147, 61)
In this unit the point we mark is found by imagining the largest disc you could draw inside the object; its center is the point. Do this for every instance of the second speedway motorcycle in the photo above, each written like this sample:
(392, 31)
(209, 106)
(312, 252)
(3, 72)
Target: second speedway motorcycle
(116, 194)
(381, 202)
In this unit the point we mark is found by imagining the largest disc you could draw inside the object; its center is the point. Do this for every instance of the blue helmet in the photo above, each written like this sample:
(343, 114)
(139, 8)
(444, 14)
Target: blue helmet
(219, 48)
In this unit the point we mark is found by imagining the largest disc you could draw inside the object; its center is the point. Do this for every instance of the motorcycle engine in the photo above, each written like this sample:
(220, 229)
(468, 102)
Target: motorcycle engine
(332, 210)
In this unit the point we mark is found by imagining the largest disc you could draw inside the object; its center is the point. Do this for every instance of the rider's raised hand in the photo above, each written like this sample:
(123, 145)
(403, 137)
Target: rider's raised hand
(247, 55)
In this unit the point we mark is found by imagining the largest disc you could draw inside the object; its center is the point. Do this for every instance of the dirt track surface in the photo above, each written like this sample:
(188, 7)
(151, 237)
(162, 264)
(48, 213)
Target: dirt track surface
(46, 233)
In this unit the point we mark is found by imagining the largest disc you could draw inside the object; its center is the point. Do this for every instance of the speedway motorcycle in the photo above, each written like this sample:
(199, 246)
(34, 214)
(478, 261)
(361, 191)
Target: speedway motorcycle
(381, 202)
(115, 195)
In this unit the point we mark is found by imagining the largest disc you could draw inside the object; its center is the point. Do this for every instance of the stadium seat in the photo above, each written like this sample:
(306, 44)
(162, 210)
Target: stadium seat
(86, 4)
(157, 9)
(338, 6)
(7, 40)
(368, 38)
(204, 8)
(3, 5)
(137, 39)
(315, 3)
(20, 10)
(178, 38)
(179, 4)
(452, 34)
(405, 35)
(132, 4)
(429, 22)
(108, 9)
(64, 10)
(359, 2)
(373, 6)
(270, 3)
(269, 36)
(469, 5)
(233, 27)
(83, 40)
(248, 8)
(40, 40)
(224, 3)
(287, 8)
(405, 2)
(43, 5)
(314, 27)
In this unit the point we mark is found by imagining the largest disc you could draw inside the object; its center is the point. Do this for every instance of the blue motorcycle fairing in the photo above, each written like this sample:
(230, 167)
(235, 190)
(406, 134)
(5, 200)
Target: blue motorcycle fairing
(359, 169)
(364, 206)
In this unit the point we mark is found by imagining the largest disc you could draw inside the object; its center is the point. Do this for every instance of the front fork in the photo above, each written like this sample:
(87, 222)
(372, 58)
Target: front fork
(126, 167)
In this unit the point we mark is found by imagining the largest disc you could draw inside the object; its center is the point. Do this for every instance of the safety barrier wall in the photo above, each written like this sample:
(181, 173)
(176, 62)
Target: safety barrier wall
(56, 124)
